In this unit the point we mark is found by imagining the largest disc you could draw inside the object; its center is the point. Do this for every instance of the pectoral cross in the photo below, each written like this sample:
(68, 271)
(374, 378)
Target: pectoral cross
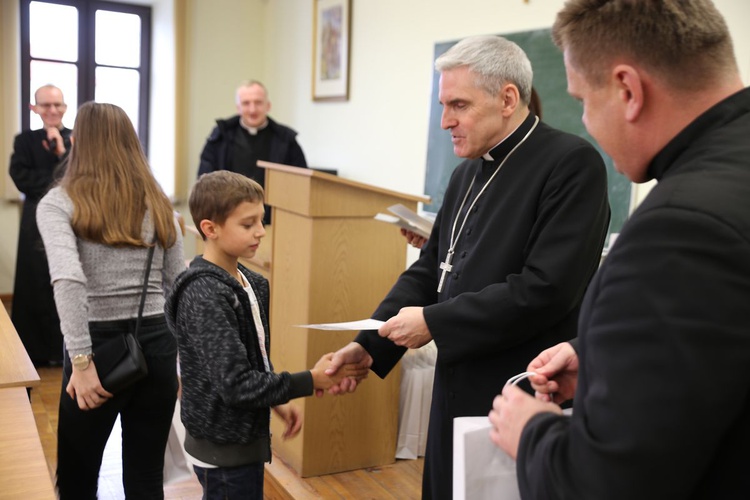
(446, 267)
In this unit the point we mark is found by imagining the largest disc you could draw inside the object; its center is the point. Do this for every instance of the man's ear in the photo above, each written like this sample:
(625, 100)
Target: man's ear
(511, 98)
(630, 90)
(209, 228)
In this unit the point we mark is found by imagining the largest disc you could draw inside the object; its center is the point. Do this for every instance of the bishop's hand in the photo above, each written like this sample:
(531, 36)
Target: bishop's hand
(407, 329)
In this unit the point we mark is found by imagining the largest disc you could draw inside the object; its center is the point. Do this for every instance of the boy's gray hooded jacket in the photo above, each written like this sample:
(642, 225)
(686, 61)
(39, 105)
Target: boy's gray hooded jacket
(226, 391)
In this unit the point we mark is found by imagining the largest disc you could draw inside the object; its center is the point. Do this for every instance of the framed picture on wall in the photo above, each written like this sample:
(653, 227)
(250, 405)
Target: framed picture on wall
(331, 34)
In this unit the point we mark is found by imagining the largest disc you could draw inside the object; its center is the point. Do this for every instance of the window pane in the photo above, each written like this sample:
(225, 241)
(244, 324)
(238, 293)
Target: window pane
(53, 31)
(119, 86)
(61, 75)
(118, 39)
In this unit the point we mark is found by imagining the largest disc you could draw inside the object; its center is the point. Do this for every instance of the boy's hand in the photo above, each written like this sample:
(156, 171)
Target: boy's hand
(322, 381)
(292, 417)
(350, 353)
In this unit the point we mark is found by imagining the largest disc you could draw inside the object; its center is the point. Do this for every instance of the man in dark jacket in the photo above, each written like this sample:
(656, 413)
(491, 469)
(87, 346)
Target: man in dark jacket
(237, 143)
(661, 366)
(34, 168)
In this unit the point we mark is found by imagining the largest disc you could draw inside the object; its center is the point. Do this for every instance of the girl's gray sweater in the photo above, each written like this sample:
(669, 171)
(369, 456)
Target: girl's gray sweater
(97, 282)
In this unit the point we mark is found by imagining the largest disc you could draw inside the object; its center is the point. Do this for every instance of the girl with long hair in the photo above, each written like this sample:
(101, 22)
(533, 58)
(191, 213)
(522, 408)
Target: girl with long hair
(97, 226)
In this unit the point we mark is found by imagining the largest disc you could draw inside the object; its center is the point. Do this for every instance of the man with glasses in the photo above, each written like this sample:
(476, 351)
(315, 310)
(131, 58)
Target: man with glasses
(33, 168)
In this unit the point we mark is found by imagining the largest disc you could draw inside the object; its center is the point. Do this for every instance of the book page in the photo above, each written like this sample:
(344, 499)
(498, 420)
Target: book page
(414, 221)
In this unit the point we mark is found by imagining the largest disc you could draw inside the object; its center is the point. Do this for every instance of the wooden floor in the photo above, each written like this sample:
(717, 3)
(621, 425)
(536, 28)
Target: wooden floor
(400, 481)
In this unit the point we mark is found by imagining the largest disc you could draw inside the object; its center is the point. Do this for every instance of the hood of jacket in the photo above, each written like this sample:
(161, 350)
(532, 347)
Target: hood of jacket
(198, 267)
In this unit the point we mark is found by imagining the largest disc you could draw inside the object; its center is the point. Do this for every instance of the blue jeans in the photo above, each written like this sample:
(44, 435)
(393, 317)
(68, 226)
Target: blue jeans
(145, 410)
(231, 483)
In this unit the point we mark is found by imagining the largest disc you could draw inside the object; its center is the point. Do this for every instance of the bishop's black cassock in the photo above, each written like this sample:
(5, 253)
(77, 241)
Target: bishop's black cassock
(521, 266)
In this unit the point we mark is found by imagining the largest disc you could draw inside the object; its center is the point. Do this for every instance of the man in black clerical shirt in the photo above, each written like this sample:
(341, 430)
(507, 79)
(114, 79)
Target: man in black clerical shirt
(237, 143)
(660, 367)
(34, 166)
(513, 247)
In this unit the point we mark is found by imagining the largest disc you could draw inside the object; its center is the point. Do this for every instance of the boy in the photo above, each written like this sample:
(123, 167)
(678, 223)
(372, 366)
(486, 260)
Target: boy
(218, 309)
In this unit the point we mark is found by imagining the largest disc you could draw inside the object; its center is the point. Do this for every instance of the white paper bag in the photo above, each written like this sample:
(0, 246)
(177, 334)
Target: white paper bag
(481, 470)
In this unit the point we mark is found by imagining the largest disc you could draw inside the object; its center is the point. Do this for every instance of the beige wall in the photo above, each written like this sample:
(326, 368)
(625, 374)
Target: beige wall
(9, 125)
(223, 45)
(379, 136)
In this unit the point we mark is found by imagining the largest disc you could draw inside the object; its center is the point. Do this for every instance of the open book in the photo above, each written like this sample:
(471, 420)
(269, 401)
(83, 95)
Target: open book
(407, 219)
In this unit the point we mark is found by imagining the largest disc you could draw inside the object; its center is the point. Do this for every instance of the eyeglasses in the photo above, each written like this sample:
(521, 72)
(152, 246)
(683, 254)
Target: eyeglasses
(49, 105)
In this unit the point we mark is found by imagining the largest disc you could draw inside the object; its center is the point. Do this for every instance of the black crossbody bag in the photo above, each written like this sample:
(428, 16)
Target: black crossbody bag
(120, 362)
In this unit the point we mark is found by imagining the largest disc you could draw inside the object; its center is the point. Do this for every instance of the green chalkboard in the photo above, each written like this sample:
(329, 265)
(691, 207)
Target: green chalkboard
(558, 108)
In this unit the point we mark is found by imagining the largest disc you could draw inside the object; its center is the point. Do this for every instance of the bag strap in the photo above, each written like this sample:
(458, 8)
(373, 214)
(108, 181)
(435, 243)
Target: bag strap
(149, 259)
(514, 380)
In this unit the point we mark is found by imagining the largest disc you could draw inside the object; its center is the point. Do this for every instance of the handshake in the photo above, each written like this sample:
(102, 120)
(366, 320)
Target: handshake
(337, 374)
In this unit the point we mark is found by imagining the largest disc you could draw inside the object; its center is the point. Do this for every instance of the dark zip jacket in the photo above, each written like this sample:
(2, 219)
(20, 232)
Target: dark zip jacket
(226, 391)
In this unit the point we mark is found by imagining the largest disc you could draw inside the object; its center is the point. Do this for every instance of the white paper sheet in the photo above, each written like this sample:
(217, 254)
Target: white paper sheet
(363, 324)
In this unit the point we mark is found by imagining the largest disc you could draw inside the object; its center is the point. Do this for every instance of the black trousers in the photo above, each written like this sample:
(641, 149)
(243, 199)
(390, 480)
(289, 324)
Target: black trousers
(145, 410)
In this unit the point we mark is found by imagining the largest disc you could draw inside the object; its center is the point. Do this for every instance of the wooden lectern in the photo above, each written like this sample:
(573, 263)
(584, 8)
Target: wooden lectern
(332, 262)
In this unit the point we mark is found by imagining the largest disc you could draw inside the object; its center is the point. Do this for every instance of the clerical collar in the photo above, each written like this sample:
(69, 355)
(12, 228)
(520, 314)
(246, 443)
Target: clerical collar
(711, 120)
(488, 157)
(253, 130)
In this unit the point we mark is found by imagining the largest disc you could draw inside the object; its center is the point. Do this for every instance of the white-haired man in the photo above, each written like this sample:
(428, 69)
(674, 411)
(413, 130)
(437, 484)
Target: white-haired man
(514, 245)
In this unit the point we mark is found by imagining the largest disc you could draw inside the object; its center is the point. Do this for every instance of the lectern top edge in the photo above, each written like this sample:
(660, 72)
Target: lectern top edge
(323, 176)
